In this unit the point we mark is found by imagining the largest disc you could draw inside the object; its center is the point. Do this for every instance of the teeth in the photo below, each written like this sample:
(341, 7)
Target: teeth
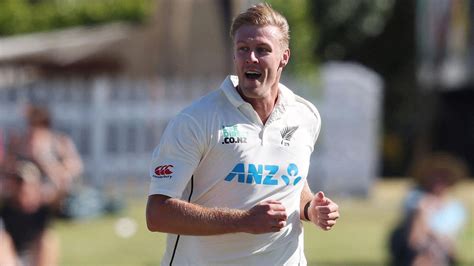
(252, 72)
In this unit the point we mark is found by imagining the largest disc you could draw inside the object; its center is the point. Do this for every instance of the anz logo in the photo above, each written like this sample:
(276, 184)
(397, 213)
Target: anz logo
(264, 175)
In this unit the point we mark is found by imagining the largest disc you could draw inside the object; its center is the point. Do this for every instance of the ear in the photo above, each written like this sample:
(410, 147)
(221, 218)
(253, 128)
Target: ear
(285, 58)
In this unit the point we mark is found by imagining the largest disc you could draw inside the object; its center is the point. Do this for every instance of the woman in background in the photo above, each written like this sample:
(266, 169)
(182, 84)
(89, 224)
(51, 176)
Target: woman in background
(54, 153)
(432, 218)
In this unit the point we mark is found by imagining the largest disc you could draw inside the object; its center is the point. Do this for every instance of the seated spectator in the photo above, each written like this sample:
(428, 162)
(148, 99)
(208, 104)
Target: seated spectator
(432, 218)
(54, 153)
(25, 214)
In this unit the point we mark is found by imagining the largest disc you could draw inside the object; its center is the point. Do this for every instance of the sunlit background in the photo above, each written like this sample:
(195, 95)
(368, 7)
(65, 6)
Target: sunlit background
(392, 79)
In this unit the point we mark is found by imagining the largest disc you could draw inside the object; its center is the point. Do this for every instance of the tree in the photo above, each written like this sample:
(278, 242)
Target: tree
(24, 16)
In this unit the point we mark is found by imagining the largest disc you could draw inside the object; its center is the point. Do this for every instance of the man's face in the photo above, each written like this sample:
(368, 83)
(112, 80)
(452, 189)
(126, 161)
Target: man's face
(259, 59)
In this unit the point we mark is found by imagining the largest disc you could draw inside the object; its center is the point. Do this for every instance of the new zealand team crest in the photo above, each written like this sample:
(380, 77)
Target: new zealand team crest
(287, 135)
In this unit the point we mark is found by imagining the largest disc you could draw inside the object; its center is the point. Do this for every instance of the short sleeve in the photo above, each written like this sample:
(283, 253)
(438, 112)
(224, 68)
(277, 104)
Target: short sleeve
(317, 129)
(177, 156)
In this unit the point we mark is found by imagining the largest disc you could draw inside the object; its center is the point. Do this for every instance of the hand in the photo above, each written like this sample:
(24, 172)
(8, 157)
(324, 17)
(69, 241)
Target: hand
(323, 212)
(265, 217)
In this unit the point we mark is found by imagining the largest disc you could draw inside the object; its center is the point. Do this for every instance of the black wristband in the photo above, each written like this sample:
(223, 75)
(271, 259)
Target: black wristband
(305, 211)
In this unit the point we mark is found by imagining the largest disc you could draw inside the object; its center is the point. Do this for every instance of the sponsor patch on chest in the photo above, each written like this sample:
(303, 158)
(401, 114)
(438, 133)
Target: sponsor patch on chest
(232, 134)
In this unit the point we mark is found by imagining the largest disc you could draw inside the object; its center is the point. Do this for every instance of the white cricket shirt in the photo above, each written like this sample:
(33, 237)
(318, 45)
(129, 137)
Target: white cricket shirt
(218, 153)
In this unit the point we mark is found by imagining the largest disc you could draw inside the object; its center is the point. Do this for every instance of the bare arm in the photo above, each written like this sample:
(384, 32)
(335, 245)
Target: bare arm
(7, 249)
(170, 215)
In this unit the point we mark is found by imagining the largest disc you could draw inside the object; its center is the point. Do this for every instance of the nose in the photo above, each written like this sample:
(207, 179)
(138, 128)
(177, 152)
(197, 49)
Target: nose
(252, 58)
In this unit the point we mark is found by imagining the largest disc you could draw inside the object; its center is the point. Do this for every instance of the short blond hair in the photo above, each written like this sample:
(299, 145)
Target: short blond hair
(262, 15)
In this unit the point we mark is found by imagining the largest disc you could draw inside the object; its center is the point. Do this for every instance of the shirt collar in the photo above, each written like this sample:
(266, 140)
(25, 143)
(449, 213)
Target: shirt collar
(285, 96)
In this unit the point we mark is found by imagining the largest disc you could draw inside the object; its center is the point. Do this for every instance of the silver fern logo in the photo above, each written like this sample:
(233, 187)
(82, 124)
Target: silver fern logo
(287, 134)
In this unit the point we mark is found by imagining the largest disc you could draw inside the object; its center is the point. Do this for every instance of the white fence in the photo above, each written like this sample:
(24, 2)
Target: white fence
(116, 123)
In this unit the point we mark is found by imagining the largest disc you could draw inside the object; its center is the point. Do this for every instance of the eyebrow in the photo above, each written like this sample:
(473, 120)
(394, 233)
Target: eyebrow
(241, 41)
(258, 44)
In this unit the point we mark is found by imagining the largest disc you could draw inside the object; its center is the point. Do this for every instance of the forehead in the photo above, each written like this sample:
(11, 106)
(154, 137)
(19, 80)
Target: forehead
(263, 34)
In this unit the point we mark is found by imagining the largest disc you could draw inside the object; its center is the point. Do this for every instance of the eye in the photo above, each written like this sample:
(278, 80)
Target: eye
(263, 50)
(243, 49)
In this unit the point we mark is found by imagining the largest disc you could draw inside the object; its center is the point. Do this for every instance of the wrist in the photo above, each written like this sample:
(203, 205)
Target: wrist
(238, 221)
(306, 211)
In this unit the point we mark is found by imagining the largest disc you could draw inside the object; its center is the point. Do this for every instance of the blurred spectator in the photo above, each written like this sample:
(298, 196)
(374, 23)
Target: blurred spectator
(25, 215)
(2, 147)
(432, 218)
(53, 152)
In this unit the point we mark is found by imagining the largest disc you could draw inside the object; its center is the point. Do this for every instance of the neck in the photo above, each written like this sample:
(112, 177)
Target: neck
(263, 106)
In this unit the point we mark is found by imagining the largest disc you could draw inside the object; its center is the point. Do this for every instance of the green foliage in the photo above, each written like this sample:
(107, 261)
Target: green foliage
(346, 25)
(330, 29)
(303, 35)
(24, 16)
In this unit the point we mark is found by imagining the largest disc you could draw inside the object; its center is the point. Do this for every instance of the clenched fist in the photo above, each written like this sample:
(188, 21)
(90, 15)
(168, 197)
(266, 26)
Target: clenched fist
(323, 212)
(265, 217)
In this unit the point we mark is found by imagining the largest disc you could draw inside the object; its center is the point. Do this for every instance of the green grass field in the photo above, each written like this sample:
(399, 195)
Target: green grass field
(358, 239)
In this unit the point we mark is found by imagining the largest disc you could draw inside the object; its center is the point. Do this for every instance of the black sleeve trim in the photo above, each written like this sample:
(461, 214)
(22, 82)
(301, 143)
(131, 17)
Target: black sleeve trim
(177, 238)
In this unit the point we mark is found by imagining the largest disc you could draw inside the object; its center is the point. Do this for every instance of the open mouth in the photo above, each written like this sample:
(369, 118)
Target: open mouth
(253, 75)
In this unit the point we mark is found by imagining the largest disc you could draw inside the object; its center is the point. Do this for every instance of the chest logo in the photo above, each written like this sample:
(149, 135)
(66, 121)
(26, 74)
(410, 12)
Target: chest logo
(287, 135)
(264, 174)
(232, 134)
